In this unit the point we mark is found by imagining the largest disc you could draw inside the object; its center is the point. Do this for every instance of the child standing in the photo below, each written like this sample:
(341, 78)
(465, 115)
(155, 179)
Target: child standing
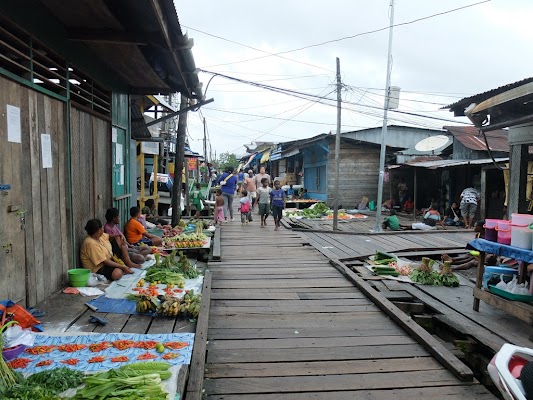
(197, 200)
(219, 208)
(245, 207)
(263, 194)
(277, 200)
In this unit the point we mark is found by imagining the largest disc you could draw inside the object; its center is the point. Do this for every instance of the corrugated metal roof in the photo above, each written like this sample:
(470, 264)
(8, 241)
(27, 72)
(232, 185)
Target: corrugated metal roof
(470, 137)
(454, 163)
(459, 106)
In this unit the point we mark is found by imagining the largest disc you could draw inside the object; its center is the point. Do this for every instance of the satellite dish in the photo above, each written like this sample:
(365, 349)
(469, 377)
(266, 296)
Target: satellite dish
(432, 143)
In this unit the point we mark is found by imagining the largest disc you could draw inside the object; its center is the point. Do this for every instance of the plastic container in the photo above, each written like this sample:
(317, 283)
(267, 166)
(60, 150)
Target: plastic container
(492, 275)
(504, 232)
(156, 232)
(492, 223)
(511, 296)
(13, 352)
(521, 236)
(491, 233)
(78, 277)
(521, 219)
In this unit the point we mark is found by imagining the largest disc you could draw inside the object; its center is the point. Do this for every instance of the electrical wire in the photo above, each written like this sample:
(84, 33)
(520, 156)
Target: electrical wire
(278, 54)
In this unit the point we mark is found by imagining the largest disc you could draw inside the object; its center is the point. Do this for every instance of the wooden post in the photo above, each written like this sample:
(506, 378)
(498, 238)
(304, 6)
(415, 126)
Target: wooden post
(337, 147)
(414, 196)
(180, 152)
(483, 194)
(517, 179)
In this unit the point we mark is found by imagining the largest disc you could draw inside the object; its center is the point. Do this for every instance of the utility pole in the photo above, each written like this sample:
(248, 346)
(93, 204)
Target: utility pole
(379, 202)
(337, 147)
(178, 168)
(205, 151)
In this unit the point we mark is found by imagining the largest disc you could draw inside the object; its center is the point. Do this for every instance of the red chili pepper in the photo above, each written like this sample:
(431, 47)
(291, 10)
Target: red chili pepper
(18, 363)
(40, 349)
(170, 356)
(120, 359)
(97, 359)
(71, 361)
(44, 363)
(146, 356)
(176, 345)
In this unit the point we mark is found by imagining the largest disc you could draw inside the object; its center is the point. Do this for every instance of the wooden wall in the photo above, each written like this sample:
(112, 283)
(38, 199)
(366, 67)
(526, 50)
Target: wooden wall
(359, 171)
(35, 261)
(91, 171)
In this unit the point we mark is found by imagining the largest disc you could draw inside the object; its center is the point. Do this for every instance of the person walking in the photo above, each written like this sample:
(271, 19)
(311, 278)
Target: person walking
(277, 203)
(228, 182)
(197, 199)
(262, 175)
(469, 199)
(219, 208)
(263, 194)
(245, 207)
(251, 188)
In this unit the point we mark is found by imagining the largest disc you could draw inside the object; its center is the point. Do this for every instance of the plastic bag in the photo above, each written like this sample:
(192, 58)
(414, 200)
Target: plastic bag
(93, 280)
(15, 335)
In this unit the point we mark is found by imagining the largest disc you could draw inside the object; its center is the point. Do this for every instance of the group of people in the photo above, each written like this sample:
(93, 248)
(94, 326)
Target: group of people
(110, 252)
(460, 215)
(256, 193)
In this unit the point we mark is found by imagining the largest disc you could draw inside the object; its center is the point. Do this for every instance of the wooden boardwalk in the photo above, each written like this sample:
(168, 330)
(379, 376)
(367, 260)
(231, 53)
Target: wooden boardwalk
(285, 324)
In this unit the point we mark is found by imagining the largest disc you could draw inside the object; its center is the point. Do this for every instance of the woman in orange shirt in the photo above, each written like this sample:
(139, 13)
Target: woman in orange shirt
(135, 232)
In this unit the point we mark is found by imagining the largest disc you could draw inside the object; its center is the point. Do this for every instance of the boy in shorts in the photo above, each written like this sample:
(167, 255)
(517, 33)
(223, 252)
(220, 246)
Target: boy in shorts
(263, 194)
(277, 202)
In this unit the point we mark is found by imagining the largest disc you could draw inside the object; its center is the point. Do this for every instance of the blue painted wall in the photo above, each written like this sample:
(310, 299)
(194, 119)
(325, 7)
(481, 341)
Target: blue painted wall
(315, 163)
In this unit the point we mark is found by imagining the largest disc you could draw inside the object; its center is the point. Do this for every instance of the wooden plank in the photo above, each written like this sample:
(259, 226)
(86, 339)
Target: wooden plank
(234, 370)
(333, 295)
(115, 323)
(137, 324)
(289, 303)
(217, 249)
(384, 327)
(244, 294)
(316, 353)
(470, 392)
(515, 308)
(296, 343)
(294, 320)
(221, 271)
(217, 311)
(280, 283)
(416, 331)
(219, 276)
(196, 377)
(391, 380)
(162, 325)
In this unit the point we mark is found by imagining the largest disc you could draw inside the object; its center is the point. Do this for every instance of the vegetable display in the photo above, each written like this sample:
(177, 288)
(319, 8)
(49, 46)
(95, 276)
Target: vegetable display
(172, 307)
(425, 274)
(446, 276)
(135, 381)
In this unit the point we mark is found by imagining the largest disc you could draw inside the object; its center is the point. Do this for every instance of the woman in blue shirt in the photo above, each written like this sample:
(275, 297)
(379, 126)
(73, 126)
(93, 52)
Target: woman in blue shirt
(228, 182)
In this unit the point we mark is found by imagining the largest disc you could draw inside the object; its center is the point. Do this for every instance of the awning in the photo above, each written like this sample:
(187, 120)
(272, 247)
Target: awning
(249, 160)
(451, 163)
(265, 157)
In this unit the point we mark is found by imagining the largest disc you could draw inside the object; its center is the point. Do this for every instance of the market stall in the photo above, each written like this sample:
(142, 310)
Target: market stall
(522, 309)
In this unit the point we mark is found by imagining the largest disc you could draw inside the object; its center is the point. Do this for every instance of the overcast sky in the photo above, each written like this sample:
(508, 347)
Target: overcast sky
(436, 62)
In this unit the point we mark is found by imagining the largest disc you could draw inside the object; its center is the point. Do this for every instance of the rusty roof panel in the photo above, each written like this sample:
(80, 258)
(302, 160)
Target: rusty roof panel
(471, 138)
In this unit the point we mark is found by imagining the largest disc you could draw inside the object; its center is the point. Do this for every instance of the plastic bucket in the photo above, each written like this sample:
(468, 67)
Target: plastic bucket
(521, 219)
(491, 233)
(78, 277)
(504, 232)
(491, 275)
(492, 223)
(521, 236)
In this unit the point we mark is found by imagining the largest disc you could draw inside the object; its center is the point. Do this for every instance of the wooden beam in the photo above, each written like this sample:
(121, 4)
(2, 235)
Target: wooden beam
(196, 373)
(509, 95)
(112, 37)
(163, 24)
(432, 345)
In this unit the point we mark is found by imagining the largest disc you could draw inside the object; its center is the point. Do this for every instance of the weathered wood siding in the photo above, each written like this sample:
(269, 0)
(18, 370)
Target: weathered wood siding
(359, 171)
(34, 263)
(91, 171)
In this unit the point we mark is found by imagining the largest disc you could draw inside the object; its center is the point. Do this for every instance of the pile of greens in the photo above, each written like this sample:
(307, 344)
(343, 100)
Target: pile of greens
(425, 274)
(45, 385)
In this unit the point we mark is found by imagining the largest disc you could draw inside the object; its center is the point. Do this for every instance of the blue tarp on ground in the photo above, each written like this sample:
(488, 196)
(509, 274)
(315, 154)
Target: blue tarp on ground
(116, 306)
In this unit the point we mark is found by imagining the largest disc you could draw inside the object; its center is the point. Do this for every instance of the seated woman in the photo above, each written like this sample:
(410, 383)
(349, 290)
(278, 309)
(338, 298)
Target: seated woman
(137, 254)
(431, 217)
(453, 216)
(150, 210)
(408, 206)
(135, 232)
(96, 253)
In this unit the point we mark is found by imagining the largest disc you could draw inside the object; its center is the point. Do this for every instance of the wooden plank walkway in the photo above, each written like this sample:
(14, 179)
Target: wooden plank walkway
(285, 324)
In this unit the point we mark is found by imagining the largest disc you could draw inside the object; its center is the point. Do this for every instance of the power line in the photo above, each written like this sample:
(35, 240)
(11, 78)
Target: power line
(254, 48)
(278, 54)
(273, 80)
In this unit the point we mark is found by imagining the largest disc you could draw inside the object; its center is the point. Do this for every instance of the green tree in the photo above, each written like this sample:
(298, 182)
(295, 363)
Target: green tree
(227, 160)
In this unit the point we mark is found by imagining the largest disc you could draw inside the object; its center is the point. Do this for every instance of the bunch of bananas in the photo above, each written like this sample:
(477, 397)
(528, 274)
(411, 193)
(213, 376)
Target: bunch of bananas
(193, 302)
(146, 304)
(170, 307)
(116, 259)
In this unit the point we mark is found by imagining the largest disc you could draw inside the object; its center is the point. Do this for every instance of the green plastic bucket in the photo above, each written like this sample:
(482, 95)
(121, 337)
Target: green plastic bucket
(78, 277)
(156, 231)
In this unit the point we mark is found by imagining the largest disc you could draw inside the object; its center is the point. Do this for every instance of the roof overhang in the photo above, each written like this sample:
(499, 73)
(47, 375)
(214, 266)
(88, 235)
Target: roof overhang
(453, 163)
(141, 41)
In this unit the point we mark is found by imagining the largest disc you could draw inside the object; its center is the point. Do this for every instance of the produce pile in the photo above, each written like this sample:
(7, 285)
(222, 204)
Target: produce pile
(190, 238)
(426, 275)
(386, 264)
(169, 306)
(319, 210)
